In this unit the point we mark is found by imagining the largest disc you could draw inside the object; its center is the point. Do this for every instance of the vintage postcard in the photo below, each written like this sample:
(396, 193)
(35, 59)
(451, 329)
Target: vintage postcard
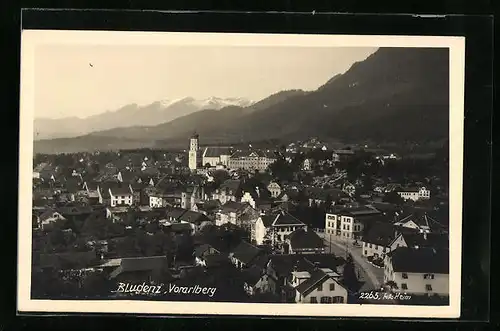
(240, 174)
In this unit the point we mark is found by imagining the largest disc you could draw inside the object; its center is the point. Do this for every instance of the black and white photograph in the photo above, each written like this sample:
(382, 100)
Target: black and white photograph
(240, 174)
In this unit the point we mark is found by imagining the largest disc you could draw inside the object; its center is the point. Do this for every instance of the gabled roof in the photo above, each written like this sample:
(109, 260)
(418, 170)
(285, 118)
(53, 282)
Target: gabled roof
(193, 217)
(317, 278)
(200, 250)
(234, 207)
(246, 252)
(268, 220)
(48, 214)
(421, 260)
(252, 153)
(122, 190)
(175, 213)
(131, 264)
(302, 239)
(284, 218)
(252, 275)
(422, 219)
(379, 233)
(216, 151)
(433, 240)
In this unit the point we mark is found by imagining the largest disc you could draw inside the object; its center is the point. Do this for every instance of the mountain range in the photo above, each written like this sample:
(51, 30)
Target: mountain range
(130, 115)
(396, 95)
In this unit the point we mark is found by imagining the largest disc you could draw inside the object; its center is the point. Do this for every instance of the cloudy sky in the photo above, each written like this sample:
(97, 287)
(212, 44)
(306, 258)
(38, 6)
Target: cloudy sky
(67, 85)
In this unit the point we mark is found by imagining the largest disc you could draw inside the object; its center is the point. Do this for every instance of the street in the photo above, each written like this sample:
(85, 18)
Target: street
(372, 276)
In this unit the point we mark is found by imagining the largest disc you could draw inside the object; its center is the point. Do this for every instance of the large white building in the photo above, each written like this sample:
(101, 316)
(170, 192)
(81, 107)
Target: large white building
(253, 160)
(349, 222)
(415, 193)
(418, 271)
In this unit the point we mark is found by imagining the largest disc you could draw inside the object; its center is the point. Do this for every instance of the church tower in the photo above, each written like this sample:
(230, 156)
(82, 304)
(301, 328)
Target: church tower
(193, 152)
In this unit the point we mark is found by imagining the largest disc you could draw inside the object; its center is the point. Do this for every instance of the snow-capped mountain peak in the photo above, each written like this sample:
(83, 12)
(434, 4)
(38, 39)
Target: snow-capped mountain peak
(208, 103)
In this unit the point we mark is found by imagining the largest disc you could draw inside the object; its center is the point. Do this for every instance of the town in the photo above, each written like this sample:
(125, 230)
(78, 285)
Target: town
(301, 222)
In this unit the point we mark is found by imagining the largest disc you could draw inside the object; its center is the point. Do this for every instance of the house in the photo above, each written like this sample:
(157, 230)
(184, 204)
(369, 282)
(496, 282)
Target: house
(418, 271)
(121, 196)
(348, 222)
(418, 240)
(191, 196)
(419, 221)
(259, 199)
(245, 255)
(201, 253)
(307, 164)
(392, 187)
(174, 214)
(319, 286)
(261, 230)
(157, 200)
(376, 239)
(208, 208)
(304, 241)
(274, 189)
(92, 191)
(151, 269)
(104, 197)
(197, 220)
(237, 213)
(318, 195)
(283, 224)
(117, 214)
(48, 218)
(230, 190)
(256, 281)
(414, 193)
(281, 269)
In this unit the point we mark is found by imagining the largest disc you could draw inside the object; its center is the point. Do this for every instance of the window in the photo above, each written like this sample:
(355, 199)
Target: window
(428, 287)
(326, 300)
(320, 287)
(313, 300)
(370, 245)
(428, 276)
(366, 252)
(404, 286)
(338, 299)
(404, 275)
(332, 287)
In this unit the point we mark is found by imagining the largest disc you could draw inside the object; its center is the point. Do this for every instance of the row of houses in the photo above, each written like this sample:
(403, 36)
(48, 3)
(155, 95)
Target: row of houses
(299, 278)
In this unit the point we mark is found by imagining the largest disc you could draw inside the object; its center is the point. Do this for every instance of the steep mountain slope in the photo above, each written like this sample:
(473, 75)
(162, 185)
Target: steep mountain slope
(130, 115)
(395, 95)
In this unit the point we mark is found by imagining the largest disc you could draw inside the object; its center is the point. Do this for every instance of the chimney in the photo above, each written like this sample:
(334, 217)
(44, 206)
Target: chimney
(425, 235)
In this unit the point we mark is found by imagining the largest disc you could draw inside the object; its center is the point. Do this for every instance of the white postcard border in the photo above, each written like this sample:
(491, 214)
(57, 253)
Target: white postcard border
(32, 38)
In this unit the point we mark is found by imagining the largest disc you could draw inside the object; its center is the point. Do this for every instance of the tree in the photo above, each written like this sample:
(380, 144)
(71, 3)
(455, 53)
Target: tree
(349, 275)
(96, 226)
(394, 198)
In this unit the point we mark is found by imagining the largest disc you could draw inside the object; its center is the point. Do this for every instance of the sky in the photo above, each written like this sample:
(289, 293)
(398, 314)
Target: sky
(85, 80)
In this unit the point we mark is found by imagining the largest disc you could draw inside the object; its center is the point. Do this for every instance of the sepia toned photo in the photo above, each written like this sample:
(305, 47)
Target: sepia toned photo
(240, 174)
